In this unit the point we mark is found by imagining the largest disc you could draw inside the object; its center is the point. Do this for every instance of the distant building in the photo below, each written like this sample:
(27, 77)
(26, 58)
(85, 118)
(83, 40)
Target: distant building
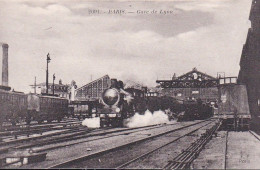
(59, 89)
(188, 87)
(93, 90)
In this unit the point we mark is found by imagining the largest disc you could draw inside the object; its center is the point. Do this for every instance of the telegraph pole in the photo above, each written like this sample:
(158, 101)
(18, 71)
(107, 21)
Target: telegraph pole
(35, 85)
(47, 73)
(53, 78)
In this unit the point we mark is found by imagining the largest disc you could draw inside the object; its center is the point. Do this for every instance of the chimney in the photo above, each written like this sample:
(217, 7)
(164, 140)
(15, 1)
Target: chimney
(5, 65)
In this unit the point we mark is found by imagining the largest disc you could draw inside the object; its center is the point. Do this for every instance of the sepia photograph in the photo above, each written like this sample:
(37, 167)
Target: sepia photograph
(125, 84)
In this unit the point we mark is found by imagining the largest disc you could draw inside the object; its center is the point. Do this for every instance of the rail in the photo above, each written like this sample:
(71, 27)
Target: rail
(84, 158)
(186, 157)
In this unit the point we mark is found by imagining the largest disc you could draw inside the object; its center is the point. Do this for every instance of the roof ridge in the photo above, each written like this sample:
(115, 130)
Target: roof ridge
(92, 82)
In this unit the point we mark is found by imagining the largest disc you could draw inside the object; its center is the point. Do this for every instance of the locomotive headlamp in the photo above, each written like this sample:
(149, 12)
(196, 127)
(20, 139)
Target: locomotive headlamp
(117, 110)
(110, 96)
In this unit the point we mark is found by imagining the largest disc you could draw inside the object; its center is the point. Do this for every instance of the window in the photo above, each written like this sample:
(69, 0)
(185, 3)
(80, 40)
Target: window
(233, 80)
(221, 81)
(227, 80)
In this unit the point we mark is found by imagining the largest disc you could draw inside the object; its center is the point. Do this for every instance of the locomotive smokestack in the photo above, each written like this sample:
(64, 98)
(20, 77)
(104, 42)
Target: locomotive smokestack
(5, 65)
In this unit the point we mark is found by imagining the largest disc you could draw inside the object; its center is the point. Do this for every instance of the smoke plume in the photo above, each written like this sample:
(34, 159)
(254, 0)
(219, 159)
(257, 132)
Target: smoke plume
(158, 117)
(92, 122)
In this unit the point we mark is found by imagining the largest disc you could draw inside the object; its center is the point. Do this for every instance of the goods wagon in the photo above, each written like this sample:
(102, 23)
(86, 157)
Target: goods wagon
(17, 107)
(48, 108)
(13, 106)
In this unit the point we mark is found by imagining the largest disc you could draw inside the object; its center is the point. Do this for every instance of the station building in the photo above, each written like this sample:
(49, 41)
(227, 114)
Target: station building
(93, 90)
(188, 87)
(60, 89)
(249, 73)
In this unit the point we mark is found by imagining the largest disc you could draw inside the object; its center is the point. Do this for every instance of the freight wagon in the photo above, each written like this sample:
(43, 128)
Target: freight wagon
(13, 106)
(16, 107)
(48, 108)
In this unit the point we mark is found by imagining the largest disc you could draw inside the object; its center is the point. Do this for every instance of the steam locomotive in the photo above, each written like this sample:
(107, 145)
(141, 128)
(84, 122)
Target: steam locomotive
(115, 108)
(120, 104)
(17, 107)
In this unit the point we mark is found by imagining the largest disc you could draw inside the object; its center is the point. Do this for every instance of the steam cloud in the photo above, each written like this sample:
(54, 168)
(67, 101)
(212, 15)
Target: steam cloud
(92, 122)
(158, 117)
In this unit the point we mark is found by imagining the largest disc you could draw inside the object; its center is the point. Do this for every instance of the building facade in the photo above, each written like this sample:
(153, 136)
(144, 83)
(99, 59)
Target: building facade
(192, 85)
(59, 89)
(93, 90)
(249, 73)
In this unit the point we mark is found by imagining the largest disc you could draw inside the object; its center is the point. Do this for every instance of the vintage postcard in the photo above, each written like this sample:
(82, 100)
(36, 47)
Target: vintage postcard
(130, 84)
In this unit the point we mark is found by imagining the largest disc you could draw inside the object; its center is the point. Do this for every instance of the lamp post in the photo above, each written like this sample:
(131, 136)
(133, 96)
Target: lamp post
(47, 73)
(53, 77)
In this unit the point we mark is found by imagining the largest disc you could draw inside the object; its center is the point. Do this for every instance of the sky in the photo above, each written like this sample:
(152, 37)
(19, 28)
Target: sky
(137, 46)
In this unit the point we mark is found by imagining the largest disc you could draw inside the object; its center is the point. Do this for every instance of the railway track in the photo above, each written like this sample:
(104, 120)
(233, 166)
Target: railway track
(21, 126)
(38, 129)
(71, 137)
(185, 158)
(121, 151)
(226, 151)
(254, 134)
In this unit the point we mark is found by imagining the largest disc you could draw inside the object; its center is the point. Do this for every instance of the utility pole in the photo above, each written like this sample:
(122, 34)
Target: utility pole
(47, 73)
(35, 85)
(53, 77)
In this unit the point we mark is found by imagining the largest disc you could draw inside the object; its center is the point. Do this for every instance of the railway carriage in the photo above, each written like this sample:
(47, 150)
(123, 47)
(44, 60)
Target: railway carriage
(16, 107)
(13, 106)
(48, 108)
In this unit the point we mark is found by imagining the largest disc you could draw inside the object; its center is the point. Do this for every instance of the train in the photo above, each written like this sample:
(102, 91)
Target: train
(17, 107)
(233, 107)
(120, 104)
(196, 110)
